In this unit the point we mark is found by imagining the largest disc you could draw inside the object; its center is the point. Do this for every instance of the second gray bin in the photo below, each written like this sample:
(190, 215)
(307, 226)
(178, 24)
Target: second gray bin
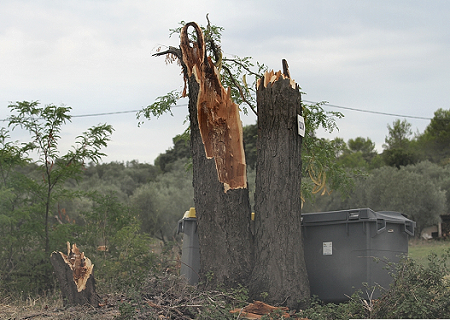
(344, 249)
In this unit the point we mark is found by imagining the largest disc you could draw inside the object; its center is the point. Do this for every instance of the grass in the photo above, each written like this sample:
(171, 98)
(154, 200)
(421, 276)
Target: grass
(420, 249)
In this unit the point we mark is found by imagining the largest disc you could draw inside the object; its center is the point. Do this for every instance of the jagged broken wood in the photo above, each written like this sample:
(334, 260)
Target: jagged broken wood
(223, 208)
(75, 275)
(218, 116)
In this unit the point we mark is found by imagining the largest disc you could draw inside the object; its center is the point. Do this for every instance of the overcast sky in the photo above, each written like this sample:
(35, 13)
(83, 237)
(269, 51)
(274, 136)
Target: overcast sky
(95, 56)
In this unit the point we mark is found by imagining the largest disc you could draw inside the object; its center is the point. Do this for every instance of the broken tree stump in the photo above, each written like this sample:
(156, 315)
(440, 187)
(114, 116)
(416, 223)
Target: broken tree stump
(76, 278)
(280, 268)
(219, 172)
(218, 117)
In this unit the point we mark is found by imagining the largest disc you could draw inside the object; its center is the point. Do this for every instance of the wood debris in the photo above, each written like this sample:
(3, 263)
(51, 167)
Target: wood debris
(257, 309)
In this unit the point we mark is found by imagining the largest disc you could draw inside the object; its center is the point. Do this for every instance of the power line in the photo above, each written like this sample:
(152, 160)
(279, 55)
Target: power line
(107, 113)
(371, 111)
(326, 104)
(116, 112)
(103, 114)
(307, 101)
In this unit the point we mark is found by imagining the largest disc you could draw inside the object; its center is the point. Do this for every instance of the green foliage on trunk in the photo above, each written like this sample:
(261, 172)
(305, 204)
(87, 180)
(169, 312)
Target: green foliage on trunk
(241, 74)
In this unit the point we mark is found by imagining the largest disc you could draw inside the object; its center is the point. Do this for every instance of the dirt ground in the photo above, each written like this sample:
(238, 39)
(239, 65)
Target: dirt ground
(164, 297)
(36, 310)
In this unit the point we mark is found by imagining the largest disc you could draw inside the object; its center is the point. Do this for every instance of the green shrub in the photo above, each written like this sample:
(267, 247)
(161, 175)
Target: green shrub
(354, 308)
(418, 291)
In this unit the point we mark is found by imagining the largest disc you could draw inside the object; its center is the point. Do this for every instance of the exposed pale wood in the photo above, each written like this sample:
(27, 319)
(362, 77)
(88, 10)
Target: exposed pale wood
(75, 275)
(270, 77)
(258, 309)
(81, 266)
(218, 116)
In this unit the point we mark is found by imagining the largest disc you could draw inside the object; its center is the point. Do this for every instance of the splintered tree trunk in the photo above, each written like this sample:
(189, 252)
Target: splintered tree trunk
(219, 172)
(75, 275)
(279, 268)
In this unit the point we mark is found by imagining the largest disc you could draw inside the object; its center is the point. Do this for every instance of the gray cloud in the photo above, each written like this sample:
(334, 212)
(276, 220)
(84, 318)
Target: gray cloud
(95, 56)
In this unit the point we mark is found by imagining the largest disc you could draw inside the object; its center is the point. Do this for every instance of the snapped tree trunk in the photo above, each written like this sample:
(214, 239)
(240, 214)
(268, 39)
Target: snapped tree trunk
(279, 269)
(75, 276)
(219, 172)
(272, 261)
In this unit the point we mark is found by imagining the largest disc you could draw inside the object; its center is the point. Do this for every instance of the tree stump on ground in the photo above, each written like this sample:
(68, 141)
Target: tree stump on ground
(75, 275)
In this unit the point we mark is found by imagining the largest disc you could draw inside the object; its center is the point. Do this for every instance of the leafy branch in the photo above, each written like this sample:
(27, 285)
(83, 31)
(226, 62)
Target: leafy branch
(318, 155)
(45, 124)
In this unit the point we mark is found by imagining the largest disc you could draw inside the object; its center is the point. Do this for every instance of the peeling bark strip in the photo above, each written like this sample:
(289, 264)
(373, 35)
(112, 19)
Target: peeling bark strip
(218, 116)
(75, 276)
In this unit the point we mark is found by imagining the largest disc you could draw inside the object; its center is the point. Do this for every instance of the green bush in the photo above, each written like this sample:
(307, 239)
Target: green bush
(354, 308)
(418, 291)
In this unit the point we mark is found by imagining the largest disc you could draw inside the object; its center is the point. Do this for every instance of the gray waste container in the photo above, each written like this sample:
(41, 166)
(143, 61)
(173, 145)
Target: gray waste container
(190, 256)
(344, 249)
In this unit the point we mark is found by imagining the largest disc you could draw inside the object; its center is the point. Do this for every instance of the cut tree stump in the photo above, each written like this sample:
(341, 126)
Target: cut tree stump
(76, 278)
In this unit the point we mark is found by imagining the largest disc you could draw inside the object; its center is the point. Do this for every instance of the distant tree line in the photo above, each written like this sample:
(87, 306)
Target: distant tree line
(126, 208)
(411, 175)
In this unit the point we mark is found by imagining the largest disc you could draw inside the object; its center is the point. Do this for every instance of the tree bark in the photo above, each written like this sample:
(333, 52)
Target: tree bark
(75, 276)
(272, 261)
(280, 269)
(219, 173)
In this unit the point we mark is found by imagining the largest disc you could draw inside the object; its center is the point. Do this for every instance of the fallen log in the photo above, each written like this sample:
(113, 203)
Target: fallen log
(75, 276)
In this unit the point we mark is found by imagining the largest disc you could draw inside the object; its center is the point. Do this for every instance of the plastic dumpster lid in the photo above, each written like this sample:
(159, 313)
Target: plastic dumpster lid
(341, 215)
(393, 216)
(190, 213)
(397, 217)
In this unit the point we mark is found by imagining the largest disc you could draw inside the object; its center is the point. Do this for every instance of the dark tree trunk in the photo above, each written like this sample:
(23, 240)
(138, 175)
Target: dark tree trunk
(77, 286)
(280, 269)
(223, 218)
(271, 261)
(220, 188)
